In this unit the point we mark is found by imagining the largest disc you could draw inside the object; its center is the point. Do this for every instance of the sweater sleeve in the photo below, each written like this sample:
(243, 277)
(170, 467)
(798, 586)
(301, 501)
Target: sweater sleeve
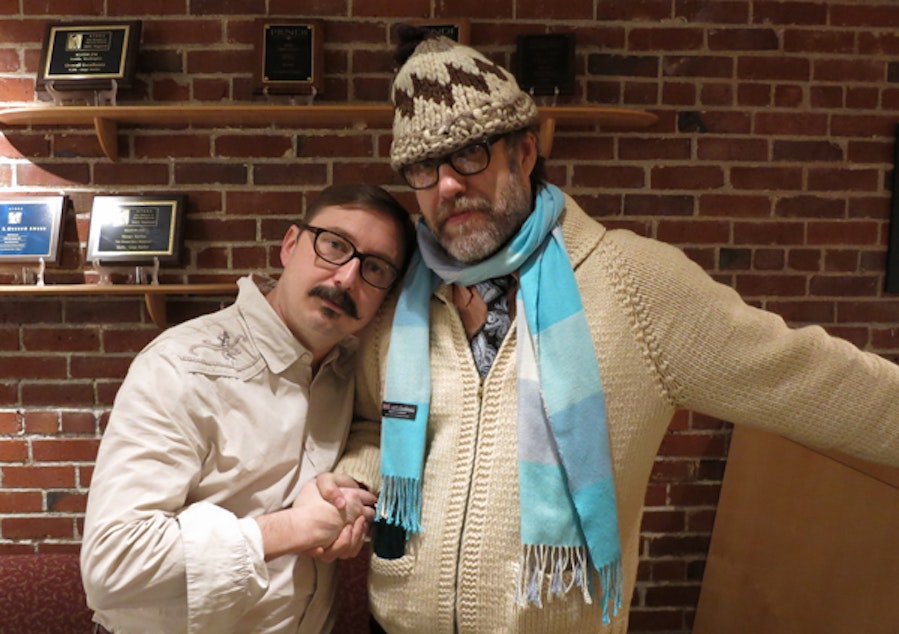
(721, 357)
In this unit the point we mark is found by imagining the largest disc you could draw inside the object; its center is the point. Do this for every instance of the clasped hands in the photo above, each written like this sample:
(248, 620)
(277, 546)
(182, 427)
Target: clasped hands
(328, 520)
(348, 520)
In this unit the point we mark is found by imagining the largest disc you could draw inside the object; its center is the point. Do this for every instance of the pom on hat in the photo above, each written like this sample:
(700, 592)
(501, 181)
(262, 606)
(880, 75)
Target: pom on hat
(447, 96)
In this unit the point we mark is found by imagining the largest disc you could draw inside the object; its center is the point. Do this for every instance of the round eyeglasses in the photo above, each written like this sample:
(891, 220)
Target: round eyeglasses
(467, 161)
(333, 248)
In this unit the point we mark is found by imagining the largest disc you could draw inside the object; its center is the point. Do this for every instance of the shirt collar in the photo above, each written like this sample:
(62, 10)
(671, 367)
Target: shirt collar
(273, 339)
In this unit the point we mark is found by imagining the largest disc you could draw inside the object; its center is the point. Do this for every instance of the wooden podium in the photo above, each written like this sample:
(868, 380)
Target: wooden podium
(805, 542)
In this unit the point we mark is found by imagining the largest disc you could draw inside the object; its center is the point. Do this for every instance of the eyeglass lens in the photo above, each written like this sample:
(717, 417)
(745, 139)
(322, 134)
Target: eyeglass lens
(467, 161)
(336, 249)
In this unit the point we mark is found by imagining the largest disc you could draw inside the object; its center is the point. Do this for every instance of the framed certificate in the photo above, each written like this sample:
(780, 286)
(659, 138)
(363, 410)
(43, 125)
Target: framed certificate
(30, 228)
(289, 57)
(136, 229)
(88, 56)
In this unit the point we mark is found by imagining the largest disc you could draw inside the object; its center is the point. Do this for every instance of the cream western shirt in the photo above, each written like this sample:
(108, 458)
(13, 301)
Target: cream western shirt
(219, 420)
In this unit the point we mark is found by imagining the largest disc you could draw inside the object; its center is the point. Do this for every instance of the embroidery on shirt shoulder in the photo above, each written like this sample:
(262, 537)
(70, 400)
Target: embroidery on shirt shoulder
(220, 347)
(225, 346)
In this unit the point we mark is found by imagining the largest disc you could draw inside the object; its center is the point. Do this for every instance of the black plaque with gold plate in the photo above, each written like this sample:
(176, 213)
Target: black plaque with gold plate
(289, 56)
(89, 56)
(545, 63)
(136, 229)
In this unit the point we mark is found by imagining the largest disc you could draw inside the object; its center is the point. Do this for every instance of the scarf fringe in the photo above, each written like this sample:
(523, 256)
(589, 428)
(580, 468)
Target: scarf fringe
(550, 572)
(400, 502)
(612, 578)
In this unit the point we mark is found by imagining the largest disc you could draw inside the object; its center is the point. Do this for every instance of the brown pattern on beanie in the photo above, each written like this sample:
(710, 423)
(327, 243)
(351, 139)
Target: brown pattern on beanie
(404, 104)
(486, 66)
(431, 90)
(447, 96)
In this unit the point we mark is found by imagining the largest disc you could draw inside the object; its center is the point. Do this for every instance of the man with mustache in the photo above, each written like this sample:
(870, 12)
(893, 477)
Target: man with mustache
(338, 297)
(202, 514)
(530, 368)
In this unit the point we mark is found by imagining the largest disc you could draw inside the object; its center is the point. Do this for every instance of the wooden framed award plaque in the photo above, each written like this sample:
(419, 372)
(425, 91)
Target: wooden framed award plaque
(136, 229)
(288, 56)
(89, 56)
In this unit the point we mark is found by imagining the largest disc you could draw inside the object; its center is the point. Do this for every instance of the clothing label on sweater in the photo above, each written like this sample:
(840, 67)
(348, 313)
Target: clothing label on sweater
(401, 411)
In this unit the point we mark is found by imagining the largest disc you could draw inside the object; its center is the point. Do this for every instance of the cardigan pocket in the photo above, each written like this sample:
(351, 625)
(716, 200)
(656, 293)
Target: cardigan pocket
(392, 567)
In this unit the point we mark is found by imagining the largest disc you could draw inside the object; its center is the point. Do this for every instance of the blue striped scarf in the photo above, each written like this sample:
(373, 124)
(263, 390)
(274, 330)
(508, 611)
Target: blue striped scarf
(569, 521)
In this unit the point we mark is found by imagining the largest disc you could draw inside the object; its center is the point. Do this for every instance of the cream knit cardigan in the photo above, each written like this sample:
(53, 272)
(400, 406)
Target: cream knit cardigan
(668, 337)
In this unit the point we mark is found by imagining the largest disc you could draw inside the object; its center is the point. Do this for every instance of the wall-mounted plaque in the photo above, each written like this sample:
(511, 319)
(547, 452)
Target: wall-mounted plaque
(458, 29)
(892, 272)
(289, 58)
(30, 228)
(135, 229)
(545, 63)
(88, 56)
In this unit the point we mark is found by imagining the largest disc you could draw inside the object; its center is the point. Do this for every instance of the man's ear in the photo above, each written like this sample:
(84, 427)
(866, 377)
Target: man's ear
(289, 243)
(527, 153)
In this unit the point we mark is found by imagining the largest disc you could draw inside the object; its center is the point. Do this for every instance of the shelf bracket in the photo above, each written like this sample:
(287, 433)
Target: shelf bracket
(547, 132)
(107, 133)
(156, 309)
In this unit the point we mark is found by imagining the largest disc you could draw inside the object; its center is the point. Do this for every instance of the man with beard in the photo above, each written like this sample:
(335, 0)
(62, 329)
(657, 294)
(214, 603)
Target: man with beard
(530, 368)
(203, 515)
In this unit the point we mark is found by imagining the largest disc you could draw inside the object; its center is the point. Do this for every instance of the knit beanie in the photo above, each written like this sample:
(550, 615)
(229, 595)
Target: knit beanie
(447, 96)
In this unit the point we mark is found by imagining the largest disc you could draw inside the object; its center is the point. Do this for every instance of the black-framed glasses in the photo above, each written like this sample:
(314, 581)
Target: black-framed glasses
(467, 161)
(333, 248)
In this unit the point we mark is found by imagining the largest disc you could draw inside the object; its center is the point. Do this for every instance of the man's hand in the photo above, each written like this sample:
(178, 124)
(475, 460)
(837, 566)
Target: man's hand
(356, 502)
(312, 524)
(330, 484)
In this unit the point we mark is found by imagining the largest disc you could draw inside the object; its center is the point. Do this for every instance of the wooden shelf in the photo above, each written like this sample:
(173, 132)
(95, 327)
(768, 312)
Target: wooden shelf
(107, 119)
(154, 296)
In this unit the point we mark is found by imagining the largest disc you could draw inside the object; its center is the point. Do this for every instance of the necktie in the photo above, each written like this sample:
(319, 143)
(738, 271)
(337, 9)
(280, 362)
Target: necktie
(488, 339)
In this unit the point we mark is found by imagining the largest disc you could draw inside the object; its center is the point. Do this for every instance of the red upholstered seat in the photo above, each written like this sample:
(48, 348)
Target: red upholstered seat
(42, 594)
(351, 605)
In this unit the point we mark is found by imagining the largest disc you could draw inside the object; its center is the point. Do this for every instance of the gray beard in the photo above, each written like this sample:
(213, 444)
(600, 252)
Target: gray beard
(513, 206)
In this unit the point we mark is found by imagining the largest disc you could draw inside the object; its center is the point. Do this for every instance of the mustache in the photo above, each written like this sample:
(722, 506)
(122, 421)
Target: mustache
(337, 296)
(446, 208)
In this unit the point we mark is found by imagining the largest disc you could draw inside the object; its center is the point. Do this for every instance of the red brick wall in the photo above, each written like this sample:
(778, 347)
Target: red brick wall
(770, 166)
